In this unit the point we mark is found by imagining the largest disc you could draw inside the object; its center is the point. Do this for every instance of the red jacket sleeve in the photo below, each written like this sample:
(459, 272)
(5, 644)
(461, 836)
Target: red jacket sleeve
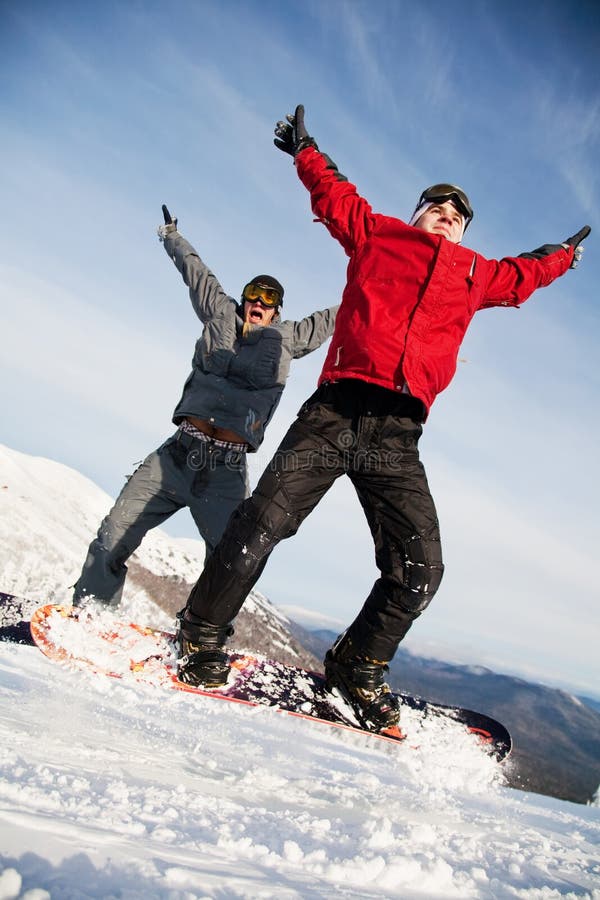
(335, 201)
(512, 280)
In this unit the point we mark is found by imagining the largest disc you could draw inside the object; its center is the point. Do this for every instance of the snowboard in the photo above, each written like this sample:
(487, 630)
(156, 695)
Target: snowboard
(15, 613)
(102, 644)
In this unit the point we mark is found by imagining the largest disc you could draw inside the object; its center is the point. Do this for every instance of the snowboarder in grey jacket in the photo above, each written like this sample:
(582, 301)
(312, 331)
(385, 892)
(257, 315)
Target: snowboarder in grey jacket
(239, 370)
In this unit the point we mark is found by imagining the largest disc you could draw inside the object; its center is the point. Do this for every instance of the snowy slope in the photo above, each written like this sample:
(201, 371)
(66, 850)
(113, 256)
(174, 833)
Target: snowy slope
(111, 790)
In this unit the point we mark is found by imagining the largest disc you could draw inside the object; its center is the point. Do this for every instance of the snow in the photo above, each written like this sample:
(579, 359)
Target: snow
(113, 789)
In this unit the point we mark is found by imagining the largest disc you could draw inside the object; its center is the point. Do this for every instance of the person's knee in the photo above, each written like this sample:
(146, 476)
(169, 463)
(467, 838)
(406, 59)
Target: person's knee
(111, 541)
(418, 573)
(260, 523)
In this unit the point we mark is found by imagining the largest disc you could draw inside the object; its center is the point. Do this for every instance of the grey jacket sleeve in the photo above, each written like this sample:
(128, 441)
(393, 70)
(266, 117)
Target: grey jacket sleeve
(311, 332)
(207, 296)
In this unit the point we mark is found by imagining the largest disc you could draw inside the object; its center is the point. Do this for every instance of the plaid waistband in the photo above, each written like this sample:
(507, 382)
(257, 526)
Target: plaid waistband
(194, 432)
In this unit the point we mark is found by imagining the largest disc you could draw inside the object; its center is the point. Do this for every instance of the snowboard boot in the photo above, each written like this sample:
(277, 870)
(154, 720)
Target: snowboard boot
(361, 681)
(202, 661)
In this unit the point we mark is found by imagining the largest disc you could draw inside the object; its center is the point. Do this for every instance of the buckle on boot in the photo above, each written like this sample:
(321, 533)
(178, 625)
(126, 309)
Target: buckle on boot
(204, 667)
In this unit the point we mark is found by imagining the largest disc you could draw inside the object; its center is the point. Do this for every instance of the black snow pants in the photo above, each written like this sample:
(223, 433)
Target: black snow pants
(371, 435)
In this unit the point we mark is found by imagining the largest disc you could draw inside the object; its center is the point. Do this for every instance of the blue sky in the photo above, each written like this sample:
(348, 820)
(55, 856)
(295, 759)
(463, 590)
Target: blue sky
(110, 110)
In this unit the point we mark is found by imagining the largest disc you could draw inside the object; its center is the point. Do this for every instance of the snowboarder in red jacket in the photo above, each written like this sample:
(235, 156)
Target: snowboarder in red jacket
(412, 289)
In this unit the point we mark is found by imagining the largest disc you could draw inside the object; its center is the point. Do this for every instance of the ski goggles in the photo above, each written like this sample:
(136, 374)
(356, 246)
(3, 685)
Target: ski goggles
(441, 193)
(269, 297)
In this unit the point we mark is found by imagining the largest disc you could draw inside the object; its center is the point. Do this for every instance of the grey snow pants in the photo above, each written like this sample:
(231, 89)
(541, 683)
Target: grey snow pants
(184, 472)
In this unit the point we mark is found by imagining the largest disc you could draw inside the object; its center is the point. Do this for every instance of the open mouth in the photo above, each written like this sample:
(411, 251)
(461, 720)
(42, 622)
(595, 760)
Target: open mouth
(256, 314)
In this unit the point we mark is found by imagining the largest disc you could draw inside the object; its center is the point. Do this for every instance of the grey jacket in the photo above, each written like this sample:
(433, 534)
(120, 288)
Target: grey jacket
(238, 375)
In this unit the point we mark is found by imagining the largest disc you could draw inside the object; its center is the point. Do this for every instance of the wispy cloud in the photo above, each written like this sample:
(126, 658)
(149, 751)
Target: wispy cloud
(83, 353)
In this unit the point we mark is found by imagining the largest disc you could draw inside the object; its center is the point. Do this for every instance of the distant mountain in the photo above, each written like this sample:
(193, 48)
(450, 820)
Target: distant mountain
(591, 702)
(49, 513)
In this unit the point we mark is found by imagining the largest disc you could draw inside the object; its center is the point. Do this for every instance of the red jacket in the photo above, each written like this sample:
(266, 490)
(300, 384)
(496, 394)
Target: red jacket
(409, 295)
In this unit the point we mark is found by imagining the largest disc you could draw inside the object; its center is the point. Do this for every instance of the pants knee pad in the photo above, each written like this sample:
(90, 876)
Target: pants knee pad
(421, 572)
(260, 523)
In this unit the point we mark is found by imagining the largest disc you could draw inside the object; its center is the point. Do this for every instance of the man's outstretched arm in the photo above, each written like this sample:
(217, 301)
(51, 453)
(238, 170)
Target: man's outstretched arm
(335, 201)
(314, 330)
(574, 241)
(514, 279)
(206, 293)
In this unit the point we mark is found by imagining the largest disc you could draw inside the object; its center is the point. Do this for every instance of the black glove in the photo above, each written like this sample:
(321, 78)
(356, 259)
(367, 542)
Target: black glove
(574, 241)
(167, 215)
(169, 226)
(291, 136)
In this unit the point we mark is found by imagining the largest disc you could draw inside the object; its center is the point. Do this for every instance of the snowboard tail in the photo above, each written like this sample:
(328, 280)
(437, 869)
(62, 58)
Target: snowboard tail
(15, 613)
(128, 650)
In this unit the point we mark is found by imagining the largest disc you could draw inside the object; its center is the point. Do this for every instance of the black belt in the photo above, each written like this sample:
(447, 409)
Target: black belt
(352, 395)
